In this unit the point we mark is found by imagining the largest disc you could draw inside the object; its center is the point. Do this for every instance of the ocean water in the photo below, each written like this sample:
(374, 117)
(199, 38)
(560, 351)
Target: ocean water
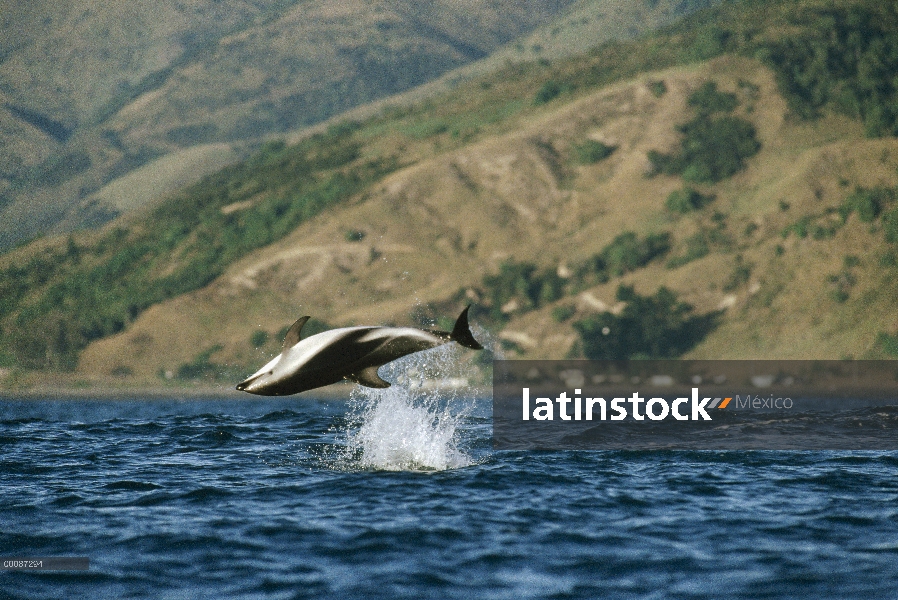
(398, 493)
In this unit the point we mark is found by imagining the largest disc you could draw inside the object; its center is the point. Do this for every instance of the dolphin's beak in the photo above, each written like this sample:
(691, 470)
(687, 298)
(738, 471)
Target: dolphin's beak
(244, 385)
(247, 384)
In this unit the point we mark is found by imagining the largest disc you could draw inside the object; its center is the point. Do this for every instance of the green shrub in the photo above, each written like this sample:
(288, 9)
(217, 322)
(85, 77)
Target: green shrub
(840, 285)
(686, 200)
(866, 203)
(715, 146)
(258, 338)
(591, 151)
(888, 343)
(799, 228)
(709, 42)
(201, 367)
(658, 88)
(627, 252)
(824, 232)
(548, 92)
(890, 226)
(563, 313)
(739, 276)
(867, 207)
(268, 152)
(657, 326)
(712, 149)
(524, 283)
(716, 149)
(707, 100)
(698, 245)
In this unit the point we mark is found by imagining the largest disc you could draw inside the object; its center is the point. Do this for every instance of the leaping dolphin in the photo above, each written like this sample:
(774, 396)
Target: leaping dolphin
(352, 353)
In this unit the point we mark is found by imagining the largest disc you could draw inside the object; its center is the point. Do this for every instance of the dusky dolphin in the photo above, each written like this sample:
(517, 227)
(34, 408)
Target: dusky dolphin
(352, 353)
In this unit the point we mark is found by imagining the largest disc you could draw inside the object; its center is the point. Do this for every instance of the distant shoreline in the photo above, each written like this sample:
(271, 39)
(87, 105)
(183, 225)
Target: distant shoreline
(149, 393)
(335, 392)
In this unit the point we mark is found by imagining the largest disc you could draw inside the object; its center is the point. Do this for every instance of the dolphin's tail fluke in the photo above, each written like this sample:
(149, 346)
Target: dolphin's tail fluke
(461, 333)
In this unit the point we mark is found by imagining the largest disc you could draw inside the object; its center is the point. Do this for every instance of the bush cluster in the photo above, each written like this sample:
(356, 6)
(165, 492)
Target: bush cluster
(843, 58)
(840, 284)
(549, 91)
(707, 100)
(867, 203)
(625, 253)
(715, 146)
(202, 367)
(531, 288)
(650, 327)
(591, 151)
(686, 200)
(888, 343)
(870, 205)
(523, 283)
(712, 234)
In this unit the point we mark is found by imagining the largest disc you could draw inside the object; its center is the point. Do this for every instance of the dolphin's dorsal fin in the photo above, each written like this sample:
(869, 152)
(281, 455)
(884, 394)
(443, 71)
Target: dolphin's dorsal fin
(369, 378)
(295, 333)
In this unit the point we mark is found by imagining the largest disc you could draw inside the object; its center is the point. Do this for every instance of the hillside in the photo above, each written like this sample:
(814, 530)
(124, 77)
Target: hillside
(203, 74)
(562, 199)
(156, 77)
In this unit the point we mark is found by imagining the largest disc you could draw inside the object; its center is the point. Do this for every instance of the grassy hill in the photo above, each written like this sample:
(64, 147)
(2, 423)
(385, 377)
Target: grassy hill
(158, 77)
(203, 74)
(712, 191)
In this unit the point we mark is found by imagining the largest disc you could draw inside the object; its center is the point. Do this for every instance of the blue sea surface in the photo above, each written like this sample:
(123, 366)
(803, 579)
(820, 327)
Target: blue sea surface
(400, 495)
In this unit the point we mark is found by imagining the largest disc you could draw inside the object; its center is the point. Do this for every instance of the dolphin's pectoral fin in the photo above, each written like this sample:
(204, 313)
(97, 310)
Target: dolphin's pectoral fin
(294, 334)
(369, 378)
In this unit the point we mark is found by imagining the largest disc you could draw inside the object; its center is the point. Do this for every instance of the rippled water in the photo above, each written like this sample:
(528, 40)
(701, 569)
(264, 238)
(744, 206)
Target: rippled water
(398, 494)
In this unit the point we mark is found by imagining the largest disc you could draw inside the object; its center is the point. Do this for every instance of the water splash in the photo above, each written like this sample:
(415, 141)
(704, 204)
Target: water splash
(400, 431)
(417, 423)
